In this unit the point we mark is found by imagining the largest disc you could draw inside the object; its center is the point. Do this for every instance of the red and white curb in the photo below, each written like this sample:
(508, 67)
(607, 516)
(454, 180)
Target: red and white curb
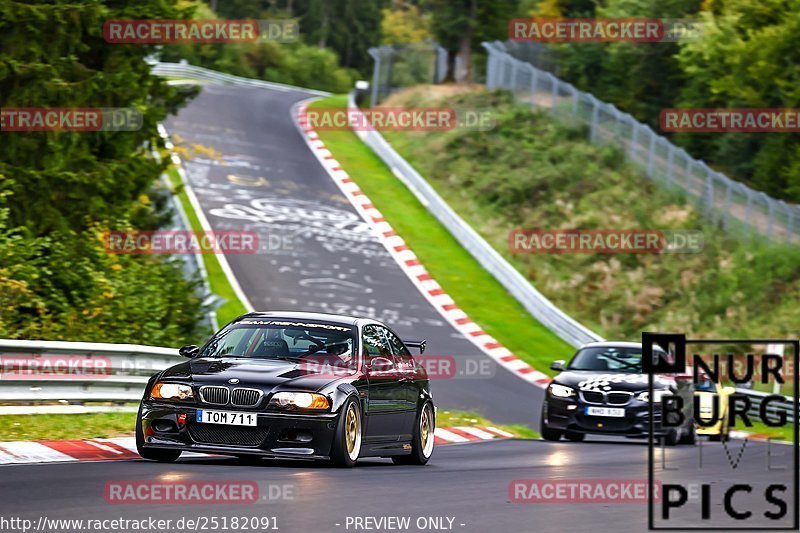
(124, 448)
(409, 262)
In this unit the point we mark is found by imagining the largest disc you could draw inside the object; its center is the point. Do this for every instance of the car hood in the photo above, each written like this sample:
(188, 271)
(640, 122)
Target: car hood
(594, 380)
(263, 374)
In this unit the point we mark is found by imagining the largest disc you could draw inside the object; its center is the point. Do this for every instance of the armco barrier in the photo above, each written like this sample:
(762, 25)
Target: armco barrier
(184, 70)
(126, 369)
(756, 398)
(537, 305)
(130, 366)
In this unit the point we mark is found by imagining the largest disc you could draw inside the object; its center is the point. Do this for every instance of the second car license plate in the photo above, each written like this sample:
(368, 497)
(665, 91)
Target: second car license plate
(615, 412)
(226, 417)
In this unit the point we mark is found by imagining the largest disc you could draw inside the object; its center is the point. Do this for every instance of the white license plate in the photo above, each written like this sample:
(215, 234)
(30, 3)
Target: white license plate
(614, 412)
(226, 417)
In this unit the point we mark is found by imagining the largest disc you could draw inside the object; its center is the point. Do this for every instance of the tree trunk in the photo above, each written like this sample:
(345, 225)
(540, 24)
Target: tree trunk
(323, 38)
(450, 68)
(464, 64)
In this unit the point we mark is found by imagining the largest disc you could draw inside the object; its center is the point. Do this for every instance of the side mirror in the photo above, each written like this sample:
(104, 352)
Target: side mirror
(381, 364)
(559, 365)
(190, 350)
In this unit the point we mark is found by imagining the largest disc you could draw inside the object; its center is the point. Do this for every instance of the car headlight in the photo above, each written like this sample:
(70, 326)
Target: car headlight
(658, 395)
(171, 391)
(560, 391)
(299, 400)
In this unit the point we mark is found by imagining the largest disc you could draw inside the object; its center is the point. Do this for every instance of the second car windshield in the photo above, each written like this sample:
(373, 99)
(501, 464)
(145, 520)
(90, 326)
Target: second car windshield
(289, 340)
(608, 359)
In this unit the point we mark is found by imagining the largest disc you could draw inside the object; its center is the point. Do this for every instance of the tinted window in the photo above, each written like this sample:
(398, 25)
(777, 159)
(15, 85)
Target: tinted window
(608, 359)
(376, 343)
(403, 357)
(284, 339)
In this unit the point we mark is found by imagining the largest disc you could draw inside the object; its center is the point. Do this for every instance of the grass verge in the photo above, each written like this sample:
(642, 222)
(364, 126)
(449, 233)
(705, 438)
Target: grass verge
(55, 426)
(473, 288)
(106, 425)
(463, 418)
(217, 279)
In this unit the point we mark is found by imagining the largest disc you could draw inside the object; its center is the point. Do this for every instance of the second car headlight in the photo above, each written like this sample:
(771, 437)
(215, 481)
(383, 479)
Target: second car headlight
(658, 395)
(560, 391)
(301, 400)
(171, 391)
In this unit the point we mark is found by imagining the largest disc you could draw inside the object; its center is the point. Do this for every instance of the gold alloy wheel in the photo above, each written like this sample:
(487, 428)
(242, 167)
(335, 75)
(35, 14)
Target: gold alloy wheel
(426, 431)
(352, 432)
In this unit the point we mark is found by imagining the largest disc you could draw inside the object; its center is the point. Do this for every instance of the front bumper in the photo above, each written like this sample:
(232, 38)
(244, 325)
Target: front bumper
(278, 435)
(569, 414)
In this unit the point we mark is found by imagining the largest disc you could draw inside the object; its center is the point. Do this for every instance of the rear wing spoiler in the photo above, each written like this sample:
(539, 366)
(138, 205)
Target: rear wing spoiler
(416, 344)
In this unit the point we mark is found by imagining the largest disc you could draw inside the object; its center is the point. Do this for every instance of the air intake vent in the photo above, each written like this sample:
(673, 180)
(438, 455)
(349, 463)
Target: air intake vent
(250, 437)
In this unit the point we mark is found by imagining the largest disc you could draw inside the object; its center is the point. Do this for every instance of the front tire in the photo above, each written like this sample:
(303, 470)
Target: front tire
(162, 456)
(347, 441)
(671, 437)
(689, 437)
(548, 433)
(422, 440)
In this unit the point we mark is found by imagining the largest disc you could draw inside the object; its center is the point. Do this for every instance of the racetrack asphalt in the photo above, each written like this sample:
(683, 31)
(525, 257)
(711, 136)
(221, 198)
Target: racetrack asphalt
(254, 172)
(467, 483)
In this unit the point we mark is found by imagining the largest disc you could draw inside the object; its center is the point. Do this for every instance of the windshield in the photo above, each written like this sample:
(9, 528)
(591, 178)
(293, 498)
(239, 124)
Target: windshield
(608, 359)
(307, 342)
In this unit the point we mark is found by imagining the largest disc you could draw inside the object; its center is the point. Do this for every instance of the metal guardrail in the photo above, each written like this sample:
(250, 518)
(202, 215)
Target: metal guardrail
(185, 70)
(756, 397)
(120, 373)
(47, 371)
(734, 205)
(536, 304)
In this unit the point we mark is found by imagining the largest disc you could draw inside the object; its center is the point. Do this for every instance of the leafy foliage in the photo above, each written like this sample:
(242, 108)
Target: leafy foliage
(747, 57)
(297, 63)
(59, 190)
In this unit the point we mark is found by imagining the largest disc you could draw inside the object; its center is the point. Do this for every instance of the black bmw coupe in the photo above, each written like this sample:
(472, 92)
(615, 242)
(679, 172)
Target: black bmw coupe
(292, 385)
(603, 391)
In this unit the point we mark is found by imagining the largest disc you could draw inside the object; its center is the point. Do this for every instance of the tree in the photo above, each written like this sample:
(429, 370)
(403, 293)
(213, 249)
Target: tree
(60, 190)
(461, 25)
(749, 57)
(405, 23)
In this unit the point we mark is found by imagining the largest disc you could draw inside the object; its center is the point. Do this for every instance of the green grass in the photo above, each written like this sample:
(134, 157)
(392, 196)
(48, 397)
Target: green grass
(56, 427)
(464, 418)
(106, 425)
(217, 279)
(474, 290)
(785, 432)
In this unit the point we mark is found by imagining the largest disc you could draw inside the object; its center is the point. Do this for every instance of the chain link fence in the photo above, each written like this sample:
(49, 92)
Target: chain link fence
(399, 66)
(729, 203)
